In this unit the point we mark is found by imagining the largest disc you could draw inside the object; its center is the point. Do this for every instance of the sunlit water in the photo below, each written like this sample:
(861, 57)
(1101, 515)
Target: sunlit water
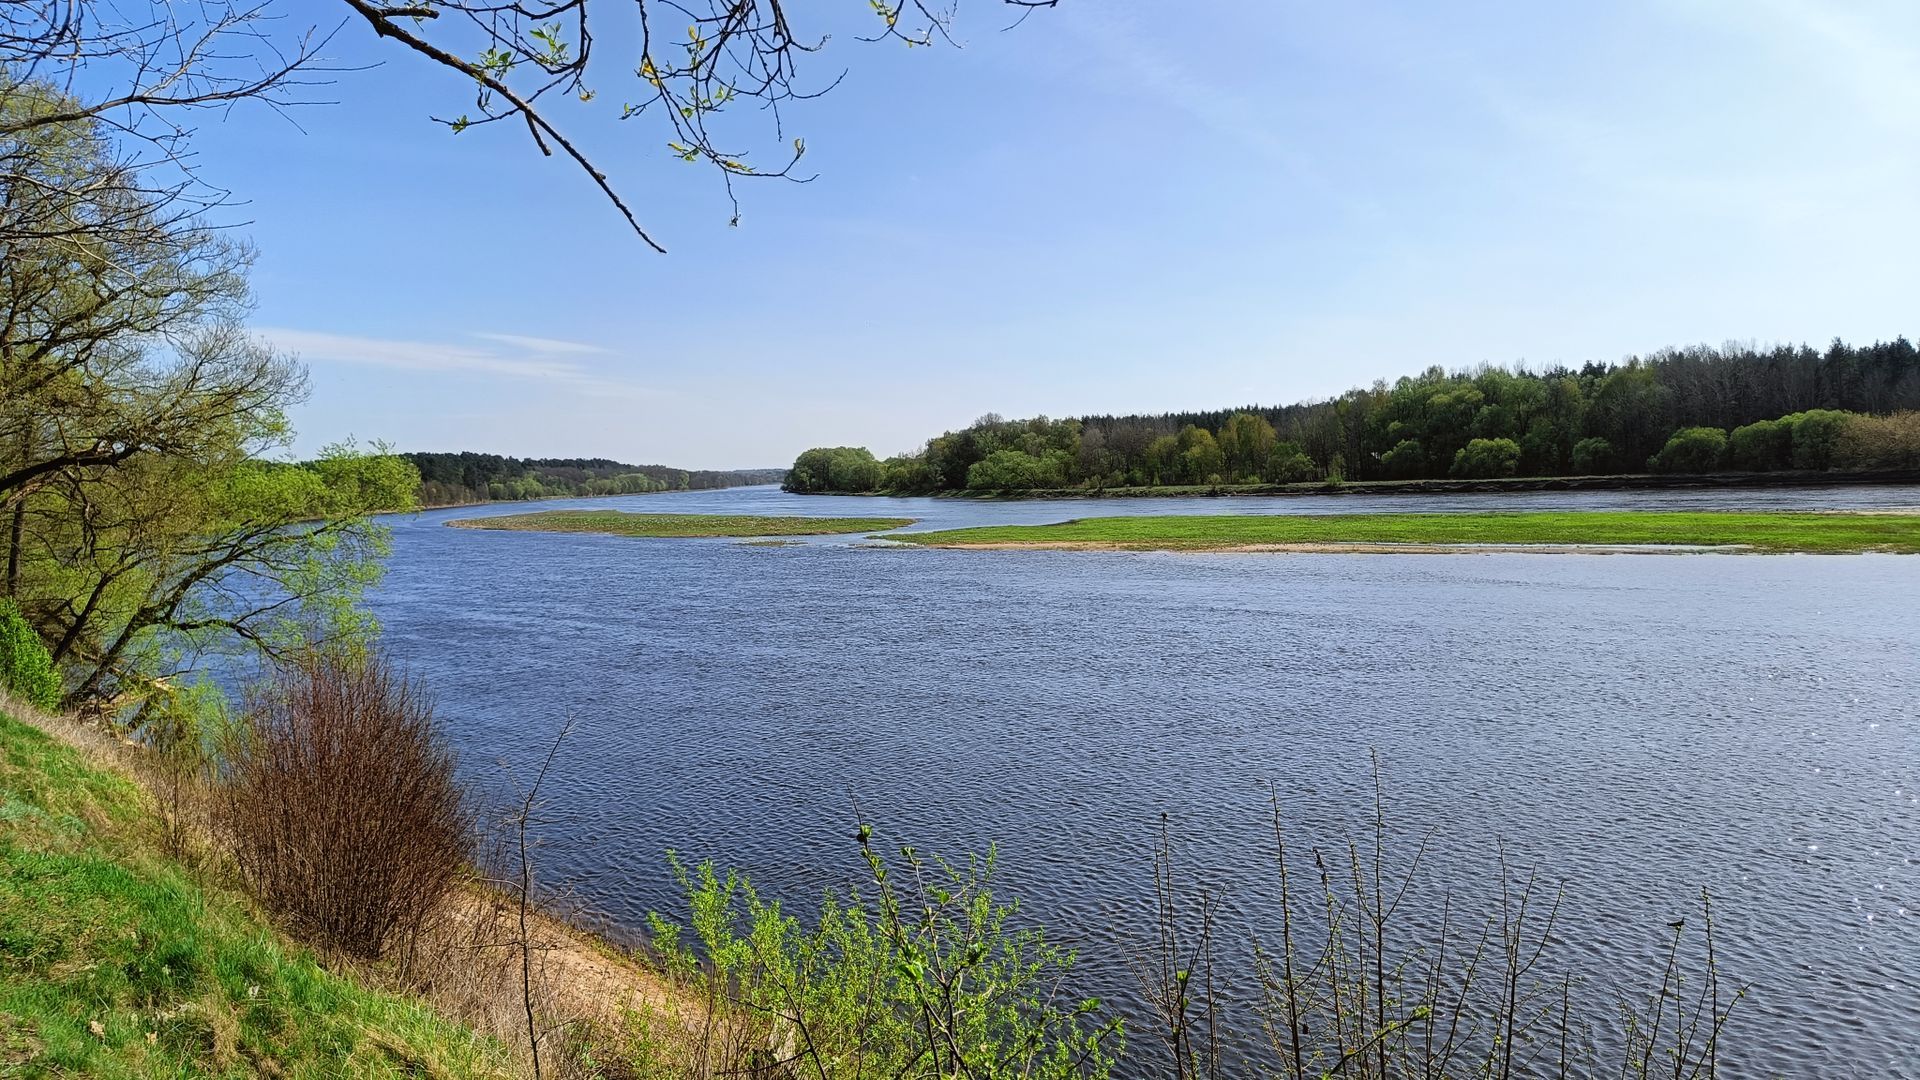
(1639, 727)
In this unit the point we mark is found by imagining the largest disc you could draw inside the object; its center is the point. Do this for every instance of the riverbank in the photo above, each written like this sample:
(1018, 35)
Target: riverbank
(1615, 531)
(622, 523)
(130, 951)
(1620, 482)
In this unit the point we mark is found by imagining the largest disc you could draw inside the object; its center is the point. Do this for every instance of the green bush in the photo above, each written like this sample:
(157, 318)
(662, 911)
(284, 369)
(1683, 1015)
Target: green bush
(1485, 458)
(1691, 450)
(1761, 446)
(1815, 433)
(1592, 456)
(26, 669)
(923, 975)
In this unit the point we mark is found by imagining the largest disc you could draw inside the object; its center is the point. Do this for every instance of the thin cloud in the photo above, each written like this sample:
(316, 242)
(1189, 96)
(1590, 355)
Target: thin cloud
(542, 345)
(511, 357)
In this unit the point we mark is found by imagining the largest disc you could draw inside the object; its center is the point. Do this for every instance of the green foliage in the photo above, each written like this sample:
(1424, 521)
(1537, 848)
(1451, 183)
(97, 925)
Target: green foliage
(1017, 470)
(1287, 463)
(1761, 446)
(1406, 461)
(467, 477)
(1816, 432)
(26, 670)
(920, 978)
(1691, 450)
(1592, 456)
(1483, 458)
(1597, 419)
(844, 469)
(147, 518)
(116, 961)
(1879, 442)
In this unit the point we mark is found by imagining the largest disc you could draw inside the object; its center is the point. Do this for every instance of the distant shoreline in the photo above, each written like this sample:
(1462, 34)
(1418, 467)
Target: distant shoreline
(1621, 482)
(422, 507)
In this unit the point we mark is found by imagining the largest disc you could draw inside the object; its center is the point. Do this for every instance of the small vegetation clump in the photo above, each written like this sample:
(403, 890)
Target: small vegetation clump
(26, 670)
(1762, 532)
(922, 976)
(620, 523)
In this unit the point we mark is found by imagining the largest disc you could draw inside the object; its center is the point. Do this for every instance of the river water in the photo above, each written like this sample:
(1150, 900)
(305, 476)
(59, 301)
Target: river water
(1635, 727)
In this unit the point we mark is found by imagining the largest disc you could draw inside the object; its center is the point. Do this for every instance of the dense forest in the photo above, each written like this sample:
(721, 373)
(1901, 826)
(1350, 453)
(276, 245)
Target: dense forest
(1691, 410)
(467, 477)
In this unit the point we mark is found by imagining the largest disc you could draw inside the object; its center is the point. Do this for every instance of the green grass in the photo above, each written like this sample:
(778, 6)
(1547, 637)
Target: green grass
(1767, 532)
(116, 962)
(620, 523)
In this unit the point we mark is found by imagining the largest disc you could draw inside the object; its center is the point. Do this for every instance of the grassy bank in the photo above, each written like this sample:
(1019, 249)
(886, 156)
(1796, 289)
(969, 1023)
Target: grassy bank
(116, 960)
(620, 523)
(1747, 531)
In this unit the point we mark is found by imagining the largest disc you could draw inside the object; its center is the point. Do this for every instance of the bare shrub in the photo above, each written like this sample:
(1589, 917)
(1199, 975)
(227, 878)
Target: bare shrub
(1355, 987)
(341, 805)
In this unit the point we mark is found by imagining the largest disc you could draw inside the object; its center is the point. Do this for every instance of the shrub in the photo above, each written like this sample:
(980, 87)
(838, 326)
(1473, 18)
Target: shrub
(1483, 458)
(1691, 450)
(342, 807)
(1592, 456)
(923, 975)
(1761, 447)
(26, 670)
(1814, 434)
(1406, 461)
(1879, 442)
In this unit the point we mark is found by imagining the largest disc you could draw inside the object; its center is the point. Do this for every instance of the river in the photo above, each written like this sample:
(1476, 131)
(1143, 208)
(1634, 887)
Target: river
(1637, 727)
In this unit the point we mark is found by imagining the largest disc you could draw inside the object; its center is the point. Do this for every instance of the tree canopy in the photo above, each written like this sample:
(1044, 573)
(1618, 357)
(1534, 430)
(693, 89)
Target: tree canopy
(1786, 407)
(146, 520)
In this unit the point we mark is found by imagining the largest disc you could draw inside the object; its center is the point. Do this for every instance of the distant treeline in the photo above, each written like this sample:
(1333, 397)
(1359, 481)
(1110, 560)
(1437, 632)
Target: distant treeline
(466, 477)
(1697, 409)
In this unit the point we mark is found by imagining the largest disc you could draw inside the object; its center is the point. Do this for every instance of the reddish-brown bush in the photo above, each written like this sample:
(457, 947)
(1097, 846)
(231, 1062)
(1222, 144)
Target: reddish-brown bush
(342, 807)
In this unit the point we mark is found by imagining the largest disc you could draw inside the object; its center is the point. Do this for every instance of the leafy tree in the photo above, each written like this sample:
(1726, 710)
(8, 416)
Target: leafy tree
(1592, 456)
(1201, 461)
(1691, 450)
(1246, 443)
(842, 469)
(1483, 458)
(1761, 446)
(1017, 470)
(144, 522)
(1406, 461)
(1815, 433)
(1879, 442)
(1287, 463)
(1597, 419)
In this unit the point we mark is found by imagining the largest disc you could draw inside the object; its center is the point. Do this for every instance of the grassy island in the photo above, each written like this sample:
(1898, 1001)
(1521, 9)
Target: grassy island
(620, 523)
(1611, 530)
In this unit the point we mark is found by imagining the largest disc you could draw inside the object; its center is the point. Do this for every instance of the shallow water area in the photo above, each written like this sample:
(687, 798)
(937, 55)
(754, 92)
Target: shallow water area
(1639, 727)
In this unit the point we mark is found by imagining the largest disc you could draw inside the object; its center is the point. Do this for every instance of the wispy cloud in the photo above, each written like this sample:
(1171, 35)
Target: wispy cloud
(542, 345)
(504, 356)
(1133, 60)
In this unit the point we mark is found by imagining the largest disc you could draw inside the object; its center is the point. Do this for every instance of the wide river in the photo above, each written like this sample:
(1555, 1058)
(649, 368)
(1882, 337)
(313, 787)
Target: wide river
(1638, 727)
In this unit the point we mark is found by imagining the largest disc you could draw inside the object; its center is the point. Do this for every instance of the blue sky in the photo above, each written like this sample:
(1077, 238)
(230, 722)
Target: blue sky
(1120, 206)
